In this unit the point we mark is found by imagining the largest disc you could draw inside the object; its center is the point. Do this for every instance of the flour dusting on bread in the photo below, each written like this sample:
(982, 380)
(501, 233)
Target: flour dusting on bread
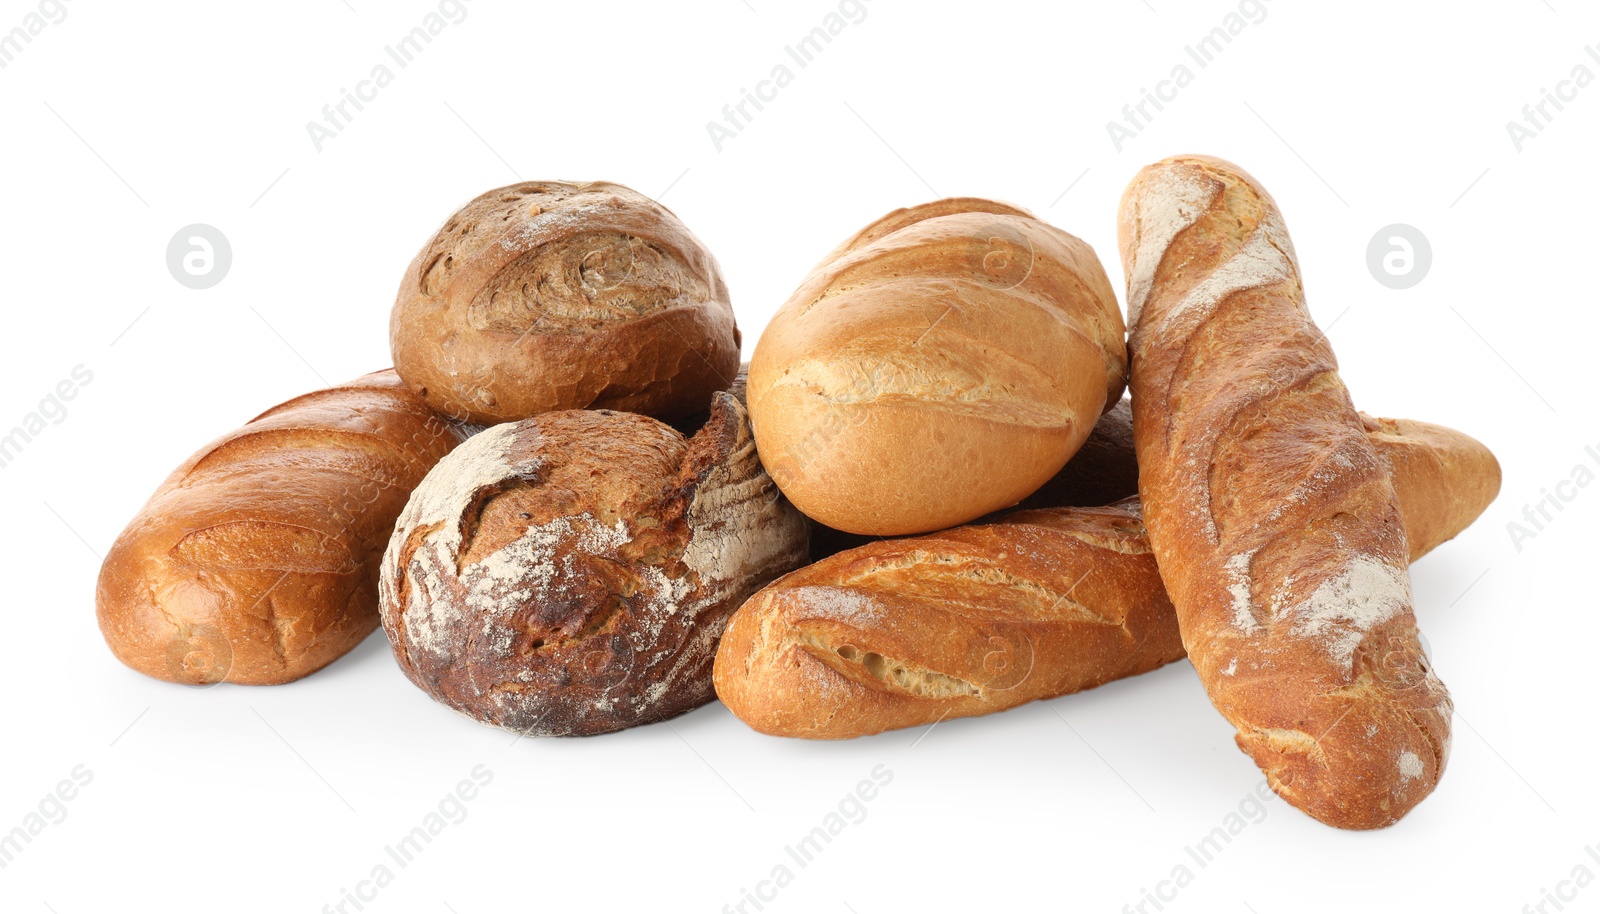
(850, 605)
(1410, 765)
(1238, 571)
(1265, 258)
(1170, 201)
(1345, 607)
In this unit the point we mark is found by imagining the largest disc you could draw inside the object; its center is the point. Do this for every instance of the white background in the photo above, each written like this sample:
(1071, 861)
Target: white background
(126, 121)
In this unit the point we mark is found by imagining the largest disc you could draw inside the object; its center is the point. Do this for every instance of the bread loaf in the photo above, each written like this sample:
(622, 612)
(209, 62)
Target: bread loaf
(1444, 478)
(1271, 515)
(961, 339)
(967, 621)
(256, 562)
(1036, 604)
(549, 295)
(570, 574)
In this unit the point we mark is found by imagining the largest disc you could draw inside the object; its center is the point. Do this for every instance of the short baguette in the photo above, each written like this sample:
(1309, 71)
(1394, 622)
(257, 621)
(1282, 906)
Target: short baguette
(1273, 519)
(1041, 603)
(256, 562)
(968, 621)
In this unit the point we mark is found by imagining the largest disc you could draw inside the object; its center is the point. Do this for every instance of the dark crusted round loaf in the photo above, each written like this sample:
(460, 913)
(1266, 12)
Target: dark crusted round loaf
(547, 295)
(571, 574)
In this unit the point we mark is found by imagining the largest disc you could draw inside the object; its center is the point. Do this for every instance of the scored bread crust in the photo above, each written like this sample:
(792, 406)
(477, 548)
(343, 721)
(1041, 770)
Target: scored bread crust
(1273, 519)
(570, 574)
(256, 561)
(961, 339)
(550, 295)
(967, 621)
(917, 605)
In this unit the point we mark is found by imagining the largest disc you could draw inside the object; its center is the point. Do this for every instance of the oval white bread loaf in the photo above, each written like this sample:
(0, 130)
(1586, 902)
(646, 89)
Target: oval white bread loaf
(256, 562)
(961, 339)
(569, 574)
(1037, 604)
(1272, 516)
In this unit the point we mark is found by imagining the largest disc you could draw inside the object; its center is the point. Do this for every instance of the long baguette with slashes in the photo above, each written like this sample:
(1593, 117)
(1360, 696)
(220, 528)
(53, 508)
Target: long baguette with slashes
(1272, 517)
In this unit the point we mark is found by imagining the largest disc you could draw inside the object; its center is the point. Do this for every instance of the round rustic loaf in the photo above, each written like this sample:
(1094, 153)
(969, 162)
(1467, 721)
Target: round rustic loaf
(549, 295)
(943, 363)
(570, 574)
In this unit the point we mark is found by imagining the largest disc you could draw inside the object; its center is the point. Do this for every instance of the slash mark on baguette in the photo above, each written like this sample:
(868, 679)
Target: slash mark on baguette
(1286, 742)
(1051, 602)
(897, 674)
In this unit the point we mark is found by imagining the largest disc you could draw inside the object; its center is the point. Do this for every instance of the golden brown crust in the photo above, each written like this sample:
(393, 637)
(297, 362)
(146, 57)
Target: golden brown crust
(1452, 475)
(968, 621)
(1273, 518)
(960, 339)
(773, 671)
(550, 295)
(256, 561)
(569, 574)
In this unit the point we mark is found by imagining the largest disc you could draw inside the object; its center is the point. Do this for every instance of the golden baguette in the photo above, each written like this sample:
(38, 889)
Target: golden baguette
(981, 618)
(1277, 528)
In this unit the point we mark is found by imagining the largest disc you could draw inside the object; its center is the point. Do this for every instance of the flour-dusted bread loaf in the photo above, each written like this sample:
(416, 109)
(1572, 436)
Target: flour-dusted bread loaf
(901, 633)
(1271, 515)
(256, 562)
(551, 295)
(959, 340)
(570, 574)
